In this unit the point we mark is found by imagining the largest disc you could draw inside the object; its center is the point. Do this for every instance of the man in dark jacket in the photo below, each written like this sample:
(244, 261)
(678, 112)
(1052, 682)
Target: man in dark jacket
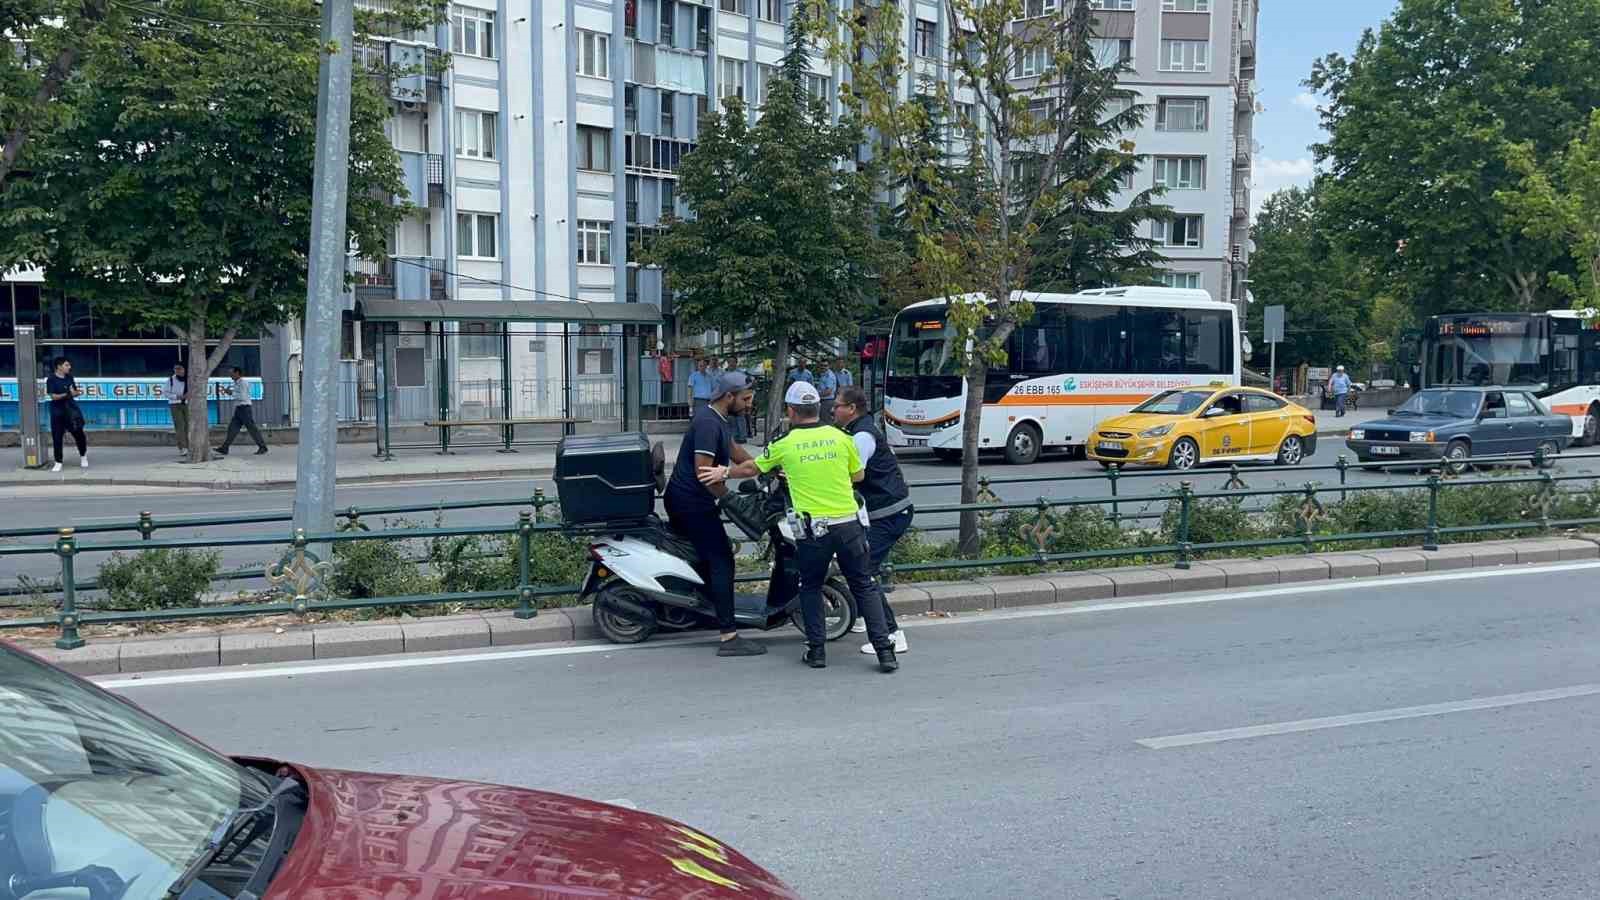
(888, 497)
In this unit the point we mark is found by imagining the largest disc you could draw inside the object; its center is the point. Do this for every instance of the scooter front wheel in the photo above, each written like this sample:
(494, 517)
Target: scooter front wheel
(838, 610)
(618, 627)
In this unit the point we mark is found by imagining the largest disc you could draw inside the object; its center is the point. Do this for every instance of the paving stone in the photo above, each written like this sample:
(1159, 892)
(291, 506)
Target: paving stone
(1350, 565)
(962, 596)
(1398, 562)
(1022, 590)
(433, 635)
(1574, 549)
(94, 658)
(1198, 577)
(1537, 551)
(336, 641)
(1247, 572)
(1297, 569)
(582, 619)
(1492, 553)
(549, 626)
(1450, 556)
(1136, 581)
(162, 653)
(1082, 586)
(256, 647)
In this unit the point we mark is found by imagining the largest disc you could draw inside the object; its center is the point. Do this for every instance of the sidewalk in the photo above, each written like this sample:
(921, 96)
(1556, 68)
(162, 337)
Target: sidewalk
(159, 466)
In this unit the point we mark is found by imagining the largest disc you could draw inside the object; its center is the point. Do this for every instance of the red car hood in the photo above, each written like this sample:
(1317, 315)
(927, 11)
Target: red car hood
(396, 837)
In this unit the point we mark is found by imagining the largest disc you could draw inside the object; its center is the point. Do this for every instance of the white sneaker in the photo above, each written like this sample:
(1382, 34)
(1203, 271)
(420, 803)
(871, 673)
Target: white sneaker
(859, 626)
(900, 645)
(83, 462)
(56, 467)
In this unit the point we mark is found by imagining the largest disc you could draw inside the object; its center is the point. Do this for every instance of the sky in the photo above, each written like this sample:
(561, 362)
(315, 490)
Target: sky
(1291, 34)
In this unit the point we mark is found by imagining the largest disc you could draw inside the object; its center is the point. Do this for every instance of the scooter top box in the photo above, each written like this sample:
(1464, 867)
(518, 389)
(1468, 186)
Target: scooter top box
(605, 478)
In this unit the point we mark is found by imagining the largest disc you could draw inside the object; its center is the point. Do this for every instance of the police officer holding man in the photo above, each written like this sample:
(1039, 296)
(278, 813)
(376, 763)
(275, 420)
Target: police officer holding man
(887, 496)
(822, 466)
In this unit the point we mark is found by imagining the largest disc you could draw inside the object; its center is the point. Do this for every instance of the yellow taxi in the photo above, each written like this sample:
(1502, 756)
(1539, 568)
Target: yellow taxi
(1189, 426)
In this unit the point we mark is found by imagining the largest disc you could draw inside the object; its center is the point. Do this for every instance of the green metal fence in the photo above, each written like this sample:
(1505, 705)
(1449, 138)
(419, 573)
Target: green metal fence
(299, 578)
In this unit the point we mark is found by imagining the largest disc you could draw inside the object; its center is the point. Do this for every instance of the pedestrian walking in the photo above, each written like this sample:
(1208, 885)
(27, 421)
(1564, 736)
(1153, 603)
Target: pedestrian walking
(65, 416)
(887, 496)
(244, 415)
(822, 467)
(700, 385)
(1340, 385)
(178, 405)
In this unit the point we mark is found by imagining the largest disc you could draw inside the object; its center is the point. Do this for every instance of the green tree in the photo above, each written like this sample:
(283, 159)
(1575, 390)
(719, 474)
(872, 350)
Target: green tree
(1086, 240)
(1297, 266)
(975, 235)
(178, 188)
(1558, 199)
(47, 39)
(1418, 121)
(781, 242)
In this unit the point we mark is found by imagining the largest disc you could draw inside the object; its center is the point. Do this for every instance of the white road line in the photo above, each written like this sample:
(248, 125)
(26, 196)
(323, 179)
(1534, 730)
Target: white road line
(405, 662)
(1366, 718)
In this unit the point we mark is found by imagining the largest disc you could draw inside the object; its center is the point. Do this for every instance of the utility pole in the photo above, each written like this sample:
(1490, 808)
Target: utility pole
(319, 426)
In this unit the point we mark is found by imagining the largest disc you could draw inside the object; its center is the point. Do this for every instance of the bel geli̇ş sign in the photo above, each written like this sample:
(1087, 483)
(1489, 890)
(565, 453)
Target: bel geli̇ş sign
(127, 389)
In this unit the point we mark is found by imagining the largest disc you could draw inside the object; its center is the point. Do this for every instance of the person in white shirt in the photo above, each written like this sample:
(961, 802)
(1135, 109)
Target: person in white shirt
(243, 415)
(178, 405)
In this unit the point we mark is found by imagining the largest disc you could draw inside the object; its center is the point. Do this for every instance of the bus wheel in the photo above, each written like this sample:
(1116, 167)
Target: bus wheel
(1022, 447)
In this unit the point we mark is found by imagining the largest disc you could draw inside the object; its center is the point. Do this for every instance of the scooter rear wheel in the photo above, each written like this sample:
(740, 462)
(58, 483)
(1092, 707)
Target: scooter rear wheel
(838, 610)
(618, 628)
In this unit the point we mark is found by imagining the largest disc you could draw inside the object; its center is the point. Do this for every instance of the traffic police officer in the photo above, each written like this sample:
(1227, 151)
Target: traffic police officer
(822, 466)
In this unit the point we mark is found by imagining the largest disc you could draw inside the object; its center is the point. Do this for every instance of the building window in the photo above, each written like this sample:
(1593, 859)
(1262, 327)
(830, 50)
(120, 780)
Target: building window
(594, 148)
(730, 80)
(1111, 4)
(669, 113)
(764, 76)
(1185, 56)
(631, 286)
(1186, 5)
(480, 340)
(472, 32)
(630, 108)
(1030, 61)
(702, 29)
(477, 235)
(594, 54)
(1190, 280)
(669, 197)
(817, 87)
(475, 134)
(1181, 173)
(1182, 231)
(770, 10)
(594, 243)
(1037, 8)
(1181, 114)
(669, 16)
(741, 7)
(966, 115)
(633, 199)
(1127, 178)
(926, 39)
(1111, 51)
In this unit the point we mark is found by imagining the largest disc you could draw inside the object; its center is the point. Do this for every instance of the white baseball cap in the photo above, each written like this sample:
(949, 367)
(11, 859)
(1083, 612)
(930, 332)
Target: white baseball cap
(801, 394)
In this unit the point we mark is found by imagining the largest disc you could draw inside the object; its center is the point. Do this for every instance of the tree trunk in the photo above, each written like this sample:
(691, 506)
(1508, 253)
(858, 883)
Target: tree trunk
(971, 426)
(199, 390)
(780, 367)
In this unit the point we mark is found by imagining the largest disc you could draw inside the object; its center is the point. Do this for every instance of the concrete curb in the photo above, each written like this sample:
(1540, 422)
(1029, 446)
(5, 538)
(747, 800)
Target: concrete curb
(499, 628)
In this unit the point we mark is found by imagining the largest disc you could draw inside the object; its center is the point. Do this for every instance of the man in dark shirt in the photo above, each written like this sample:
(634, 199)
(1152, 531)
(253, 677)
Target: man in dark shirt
(692, 507)
(64, 413)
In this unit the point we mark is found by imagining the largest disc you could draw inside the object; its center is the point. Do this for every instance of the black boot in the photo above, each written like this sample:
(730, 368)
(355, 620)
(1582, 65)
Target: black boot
(886, 659)
(817, 658)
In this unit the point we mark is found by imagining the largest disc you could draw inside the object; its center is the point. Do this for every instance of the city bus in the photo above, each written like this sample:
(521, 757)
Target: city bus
(1555, 354)
(1082, 358)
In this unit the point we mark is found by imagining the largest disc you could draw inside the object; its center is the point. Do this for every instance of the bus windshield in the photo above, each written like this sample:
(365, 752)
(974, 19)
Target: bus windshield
(1174, 403)
(922, 345)
(1483, 350)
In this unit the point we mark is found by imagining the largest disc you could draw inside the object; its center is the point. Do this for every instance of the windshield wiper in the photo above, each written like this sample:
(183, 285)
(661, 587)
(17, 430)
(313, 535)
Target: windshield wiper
(226, 830)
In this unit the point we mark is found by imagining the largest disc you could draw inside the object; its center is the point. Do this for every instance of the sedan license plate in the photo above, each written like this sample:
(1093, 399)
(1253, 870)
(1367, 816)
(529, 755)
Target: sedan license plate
(1385, 451)
(916, 442)
(1108, 445)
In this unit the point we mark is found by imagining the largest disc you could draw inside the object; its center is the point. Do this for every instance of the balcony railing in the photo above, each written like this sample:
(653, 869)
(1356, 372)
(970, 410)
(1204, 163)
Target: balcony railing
(400, 277)
(1241, 201)
(1243, 148)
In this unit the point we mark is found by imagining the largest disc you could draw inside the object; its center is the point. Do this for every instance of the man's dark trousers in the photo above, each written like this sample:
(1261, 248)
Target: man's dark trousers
(882, 535)
(710, 540)
(243, 417)
(848, 544)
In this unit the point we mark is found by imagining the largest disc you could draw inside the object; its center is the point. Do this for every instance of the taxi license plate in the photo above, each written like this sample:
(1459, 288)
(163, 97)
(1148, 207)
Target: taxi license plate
(1108, 445)
(916, 442)
(1385, 451)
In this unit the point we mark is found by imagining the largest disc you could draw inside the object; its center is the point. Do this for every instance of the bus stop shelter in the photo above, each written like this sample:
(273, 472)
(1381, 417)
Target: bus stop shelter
(608, 334)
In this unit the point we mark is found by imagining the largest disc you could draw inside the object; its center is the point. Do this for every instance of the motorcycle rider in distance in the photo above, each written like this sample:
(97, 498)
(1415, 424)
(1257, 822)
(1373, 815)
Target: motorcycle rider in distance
(691, 500)
(887, 496)
(822, 467)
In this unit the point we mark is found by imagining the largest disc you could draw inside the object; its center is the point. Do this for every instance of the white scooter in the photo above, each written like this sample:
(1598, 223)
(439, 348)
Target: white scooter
(644, 580)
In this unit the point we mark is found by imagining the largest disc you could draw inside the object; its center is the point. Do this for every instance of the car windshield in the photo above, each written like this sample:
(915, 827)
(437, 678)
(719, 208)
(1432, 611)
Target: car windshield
(86, 780)
(1174, 403)
(1455, 404)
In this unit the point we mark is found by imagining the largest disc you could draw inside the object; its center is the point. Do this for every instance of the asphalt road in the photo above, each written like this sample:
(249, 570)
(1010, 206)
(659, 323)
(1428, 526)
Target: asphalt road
(1432, 736)
(1054, 477)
